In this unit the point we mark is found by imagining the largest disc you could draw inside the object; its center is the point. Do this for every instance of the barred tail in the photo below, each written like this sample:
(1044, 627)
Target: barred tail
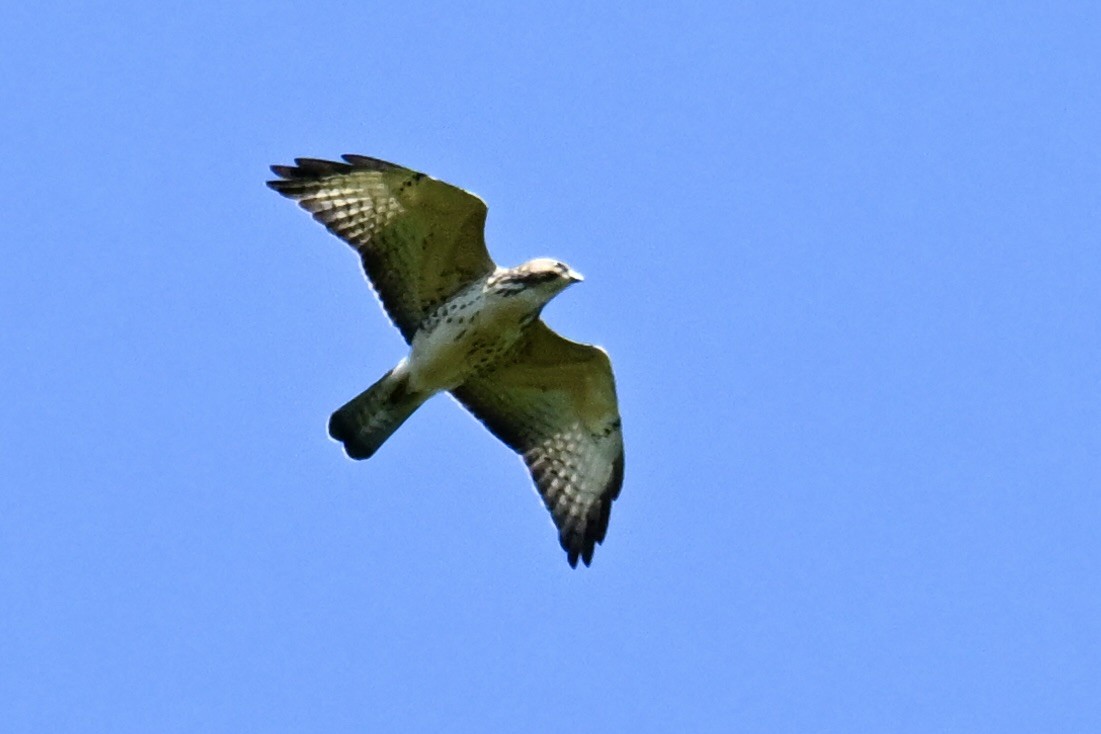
(367, 420)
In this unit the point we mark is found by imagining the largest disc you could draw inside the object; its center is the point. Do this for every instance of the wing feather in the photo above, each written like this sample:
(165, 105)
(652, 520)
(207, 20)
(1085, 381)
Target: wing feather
(420, 240)
(555, 405)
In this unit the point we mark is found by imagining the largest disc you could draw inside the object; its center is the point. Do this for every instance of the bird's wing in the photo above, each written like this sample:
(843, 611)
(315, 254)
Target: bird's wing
(555, 405)
(420, 239)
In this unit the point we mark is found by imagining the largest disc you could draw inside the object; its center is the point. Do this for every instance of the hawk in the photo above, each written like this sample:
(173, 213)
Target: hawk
(474, 330)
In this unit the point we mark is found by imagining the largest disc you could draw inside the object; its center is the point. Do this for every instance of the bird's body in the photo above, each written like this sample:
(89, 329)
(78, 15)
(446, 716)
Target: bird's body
(473, 329)
(474, 324)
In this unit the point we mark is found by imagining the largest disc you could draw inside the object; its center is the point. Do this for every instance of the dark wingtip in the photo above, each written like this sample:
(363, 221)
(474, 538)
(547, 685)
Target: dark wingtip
(283, 187)
(316, 167)
(577, 548)
(368, 163)
(285, 183)
(310, 169)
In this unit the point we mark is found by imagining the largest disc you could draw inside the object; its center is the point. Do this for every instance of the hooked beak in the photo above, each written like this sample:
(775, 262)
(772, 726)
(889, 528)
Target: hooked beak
(574, 276)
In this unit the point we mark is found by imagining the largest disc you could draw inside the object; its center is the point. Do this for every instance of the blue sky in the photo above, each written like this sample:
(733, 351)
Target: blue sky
(845, 259)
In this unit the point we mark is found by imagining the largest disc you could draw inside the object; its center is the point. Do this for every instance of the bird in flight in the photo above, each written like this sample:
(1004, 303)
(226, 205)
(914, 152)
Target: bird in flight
(474, 330)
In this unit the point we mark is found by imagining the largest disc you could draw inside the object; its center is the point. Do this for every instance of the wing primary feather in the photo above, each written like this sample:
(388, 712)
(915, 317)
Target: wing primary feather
(311, 167)
(288, 172)
(367, 163)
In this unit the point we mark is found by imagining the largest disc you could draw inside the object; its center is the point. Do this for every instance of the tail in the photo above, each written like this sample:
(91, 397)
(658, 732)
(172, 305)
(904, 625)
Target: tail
(367, 420)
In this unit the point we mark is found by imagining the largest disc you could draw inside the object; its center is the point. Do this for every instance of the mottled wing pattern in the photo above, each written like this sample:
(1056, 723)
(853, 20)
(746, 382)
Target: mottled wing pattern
(555, 405)
(420, 239)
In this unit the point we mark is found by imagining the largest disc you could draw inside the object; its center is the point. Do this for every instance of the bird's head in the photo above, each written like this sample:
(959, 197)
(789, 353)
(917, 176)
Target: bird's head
(535, 282)
(547, 273)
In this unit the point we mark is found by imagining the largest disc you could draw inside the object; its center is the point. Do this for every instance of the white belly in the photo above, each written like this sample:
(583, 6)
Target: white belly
(464, 337)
